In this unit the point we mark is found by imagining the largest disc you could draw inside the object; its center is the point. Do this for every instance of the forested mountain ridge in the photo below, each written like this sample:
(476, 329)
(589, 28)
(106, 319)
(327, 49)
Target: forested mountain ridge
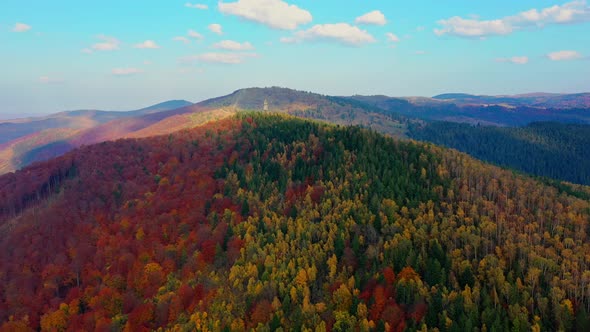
(43, 138)
(335, 110)
(43, 143)
(550, 149)
(262, 221)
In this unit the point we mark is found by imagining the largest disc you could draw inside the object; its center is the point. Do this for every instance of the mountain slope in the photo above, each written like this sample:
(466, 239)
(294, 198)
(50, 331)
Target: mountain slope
(159, 120)
(381, 113)
(262, 221)
(23, 141)
(12, 129)
(555, 150)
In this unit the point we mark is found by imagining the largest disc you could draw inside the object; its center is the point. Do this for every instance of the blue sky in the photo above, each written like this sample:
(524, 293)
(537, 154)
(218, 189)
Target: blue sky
(119, 55)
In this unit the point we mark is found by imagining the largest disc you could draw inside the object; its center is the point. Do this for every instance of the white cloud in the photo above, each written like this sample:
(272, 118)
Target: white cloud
(196, 6)
(126, 71)
(519, 60)
(147, 62)
(194, 34)
(343, 33)
(564, 55)
(216, 28)
(86, 51)
(569, 13)
(147, 44)
(472, 27)
(21, 27)
(188, 70)
(50, 80)
(375, 17)
(420, 52)
(223, 58)
(276, 14)
(181, 39)
(107, 44)
(392, 37)
(420, 28)
(233, 45)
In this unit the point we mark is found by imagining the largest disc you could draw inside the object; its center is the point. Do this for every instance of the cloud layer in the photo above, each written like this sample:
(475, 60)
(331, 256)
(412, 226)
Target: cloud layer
(518, 60)
(149, 44)
(569, 13)
(126, 71)
(215, 28)
(107, 44)
(342, 33)
(181, 39)
(276, 14)
(392, 37)
(50, 80)
(21, 27)
(215, 57)
(194, 34)
(564, 55)
(473, 28)
(196, 6)
(231, 45)
(375, 17)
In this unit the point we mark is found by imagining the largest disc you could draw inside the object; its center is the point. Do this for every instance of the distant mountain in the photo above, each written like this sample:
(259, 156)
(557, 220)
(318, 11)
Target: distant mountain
(537, 94)
(499, 111)
(455, 96)
(537, 100)
(80, 119)
(385, 102)
(26, 140)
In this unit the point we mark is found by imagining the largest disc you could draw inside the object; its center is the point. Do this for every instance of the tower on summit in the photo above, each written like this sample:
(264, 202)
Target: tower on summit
(265, 107)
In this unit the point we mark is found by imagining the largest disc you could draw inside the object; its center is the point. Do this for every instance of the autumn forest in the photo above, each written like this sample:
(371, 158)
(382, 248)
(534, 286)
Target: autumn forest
(274, 223)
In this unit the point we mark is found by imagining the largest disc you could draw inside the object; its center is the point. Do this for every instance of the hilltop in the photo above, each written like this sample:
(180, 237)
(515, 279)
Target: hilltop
(40, 139)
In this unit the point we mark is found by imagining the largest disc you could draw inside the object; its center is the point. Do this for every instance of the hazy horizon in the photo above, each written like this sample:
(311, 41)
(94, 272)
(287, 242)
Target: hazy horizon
(14, 116)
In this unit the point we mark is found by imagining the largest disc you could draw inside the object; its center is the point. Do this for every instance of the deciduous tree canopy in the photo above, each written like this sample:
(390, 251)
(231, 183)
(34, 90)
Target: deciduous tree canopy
(263, 221)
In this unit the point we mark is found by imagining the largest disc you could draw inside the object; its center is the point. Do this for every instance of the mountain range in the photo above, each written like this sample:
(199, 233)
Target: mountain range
(24, 141)
(537, 100)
